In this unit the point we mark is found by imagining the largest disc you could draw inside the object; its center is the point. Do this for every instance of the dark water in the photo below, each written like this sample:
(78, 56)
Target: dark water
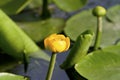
(38, 68)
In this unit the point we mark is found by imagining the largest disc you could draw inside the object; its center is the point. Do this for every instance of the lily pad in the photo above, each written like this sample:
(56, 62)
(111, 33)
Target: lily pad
(37, 3)
(70, 5)
(85, 20)
(101, 65)
(9, 76)
(113, 13)
(40, 29)
(13, 6)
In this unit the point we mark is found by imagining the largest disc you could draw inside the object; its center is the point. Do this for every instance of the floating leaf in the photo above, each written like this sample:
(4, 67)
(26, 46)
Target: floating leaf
(30, 21)
(9, 76)
(13, 6)
(101, 65)
(38, 30)
(37, 3)
(85, 20)
(113, 49)
(79, 23)
(69, 5)
(113, 13)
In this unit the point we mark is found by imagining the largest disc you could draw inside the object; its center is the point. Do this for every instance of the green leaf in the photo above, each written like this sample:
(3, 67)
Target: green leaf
(101, 65)
(69, 5)
(85, 20)
(113, 13)
(112, 49)
(14, 41)
(37, 3)
(33, 25)
(13, 6)
(9, 76)
(26, 15)
(79, 23)
(42, 28)
(79, 49)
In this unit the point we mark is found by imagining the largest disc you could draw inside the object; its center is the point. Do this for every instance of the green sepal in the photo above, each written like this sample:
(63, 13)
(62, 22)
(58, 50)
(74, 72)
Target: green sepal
(79, 50)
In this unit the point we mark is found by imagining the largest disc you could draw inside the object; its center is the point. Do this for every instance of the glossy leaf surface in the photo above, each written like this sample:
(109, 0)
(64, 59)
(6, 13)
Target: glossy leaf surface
(101, 65)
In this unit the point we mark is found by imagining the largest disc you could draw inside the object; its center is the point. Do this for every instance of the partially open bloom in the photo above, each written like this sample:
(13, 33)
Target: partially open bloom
(57, 43)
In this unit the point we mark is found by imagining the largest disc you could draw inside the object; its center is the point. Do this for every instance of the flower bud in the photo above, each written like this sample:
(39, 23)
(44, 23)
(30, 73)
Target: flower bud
(99, 11)
(57, 43)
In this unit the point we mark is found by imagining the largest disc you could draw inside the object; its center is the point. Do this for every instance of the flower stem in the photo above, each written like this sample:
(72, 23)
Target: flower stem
(51, 66)
(45, 12)
(98, 33)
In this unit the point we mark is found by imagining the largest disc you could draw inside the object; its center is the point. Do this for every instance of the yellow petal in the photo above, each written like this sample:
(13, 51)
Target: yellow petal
(57, 43)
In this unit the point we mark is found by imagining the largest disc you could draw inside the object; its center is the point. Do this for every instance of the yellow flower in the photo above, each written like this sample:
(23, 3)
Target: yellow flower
(57, 43)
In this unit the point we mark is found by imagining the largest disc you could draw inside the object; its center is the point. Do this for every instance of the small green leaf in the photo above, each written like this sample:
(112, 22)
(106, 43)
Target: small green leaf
(13, 6)
(70, 5)
(79, 49)
(9, 76)
(101, 65)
